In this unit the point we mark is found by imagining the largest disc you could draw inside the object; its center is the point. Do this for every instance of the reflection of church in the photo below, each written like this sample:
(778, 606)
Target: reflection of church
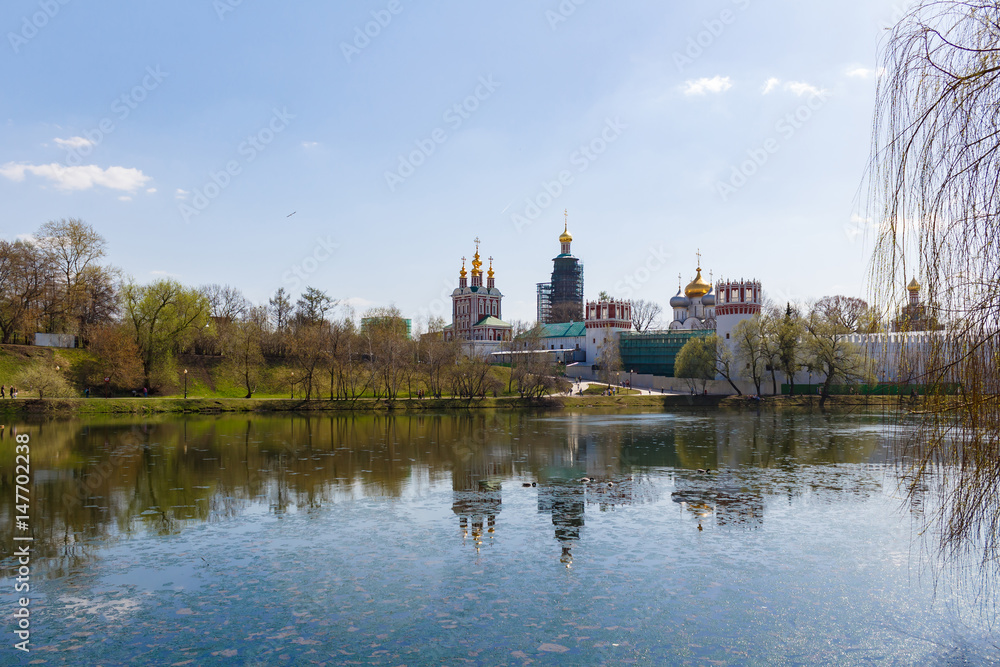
(477, 495)
(564, 500)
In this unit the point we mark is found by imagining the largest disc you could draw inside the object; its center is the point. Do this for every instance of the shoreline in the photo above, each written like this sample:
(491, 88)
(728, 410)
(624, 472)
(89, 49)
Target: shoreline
(142, 406)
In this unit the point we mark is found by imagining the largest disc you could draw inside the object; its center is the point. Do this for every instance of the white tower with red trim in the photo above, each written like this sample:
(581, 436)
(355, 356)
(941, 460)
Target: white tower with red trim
(605, 319)
(735, 300)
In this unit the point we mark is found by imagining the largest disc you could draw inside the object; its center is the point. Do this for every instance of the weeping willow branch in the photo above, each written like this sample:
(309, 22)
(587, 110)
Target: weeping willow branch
(935, 196)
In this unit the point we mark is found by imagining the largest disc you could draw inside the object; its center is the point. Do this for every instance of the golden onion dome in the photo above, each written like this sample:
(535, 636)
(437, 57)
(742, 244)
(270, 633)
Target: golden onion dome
(566, 237)
(698, 287)
(914, 286)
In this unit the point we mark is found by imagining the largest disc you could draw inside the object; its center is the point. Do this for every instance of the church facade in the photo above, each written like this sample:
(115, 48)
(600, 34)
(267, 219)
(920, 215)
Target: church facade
(476, 309)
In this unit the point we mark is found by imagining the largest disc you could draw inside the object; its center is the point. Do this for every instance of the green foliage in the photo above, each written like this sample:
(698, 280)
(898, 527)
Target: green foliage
(44, 379)
(696, 362)
(164, 317)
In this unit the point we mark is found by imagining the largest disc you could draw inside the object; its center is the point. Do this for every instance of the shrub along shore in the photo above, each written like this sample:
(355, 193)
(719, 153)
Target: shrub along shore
(156, 405)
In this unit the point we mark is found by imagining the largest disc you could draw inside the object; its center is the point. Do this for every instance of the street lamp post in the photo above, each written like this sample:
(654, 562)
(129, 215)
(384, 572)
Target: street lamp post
(292, 387)
(185, 383)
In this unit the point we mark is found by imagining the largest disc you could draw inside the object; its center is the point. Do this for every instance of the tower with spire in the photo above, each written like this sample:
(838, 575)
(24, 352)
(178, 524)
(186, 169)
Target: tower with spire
(476, 313)
(561, 299)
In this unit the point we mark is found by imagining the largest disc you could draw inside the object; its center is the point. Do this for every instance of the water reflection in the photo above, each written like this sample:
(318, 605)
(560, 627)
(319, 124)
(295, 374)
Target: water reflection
(99, 480)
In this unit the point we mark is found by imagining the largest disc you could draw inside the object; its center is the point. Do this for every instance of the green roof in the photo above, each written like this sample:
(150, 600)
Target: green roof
(564, 330)
(491, 321)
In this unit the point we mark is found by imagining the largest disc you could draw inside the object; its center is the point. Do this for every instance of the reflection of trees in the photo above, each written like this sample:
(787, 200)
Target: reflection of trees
(109, 477)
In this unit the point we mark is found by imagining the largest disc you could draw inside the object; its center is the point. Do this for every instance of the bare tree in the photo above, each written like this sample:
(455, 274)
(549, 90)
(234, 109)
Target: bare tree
(935, 201)
(117, 356)
(645, 315)
(242, 348)
(751, 351)
(73, 248)
(847, 312)
(22, 281)
(225, 302)
(280, 308)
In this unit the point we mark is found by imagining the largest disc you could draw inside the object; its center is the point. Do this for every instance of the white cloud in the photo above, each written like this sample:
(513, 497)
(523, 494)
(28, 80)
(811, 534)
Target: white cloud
(801, 88)
(181, 194)
(310, 144)
(717, 84)
(165, 274)
(124, 198)
(798, 88)
(864, 72)
(151, 190)
(81, 177)
(74, 142)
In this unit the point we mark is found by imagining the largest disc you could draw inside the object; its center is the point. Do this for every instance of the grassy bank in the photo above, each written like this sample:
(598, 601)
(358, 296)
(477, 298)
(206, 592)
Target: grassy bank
(216, 405)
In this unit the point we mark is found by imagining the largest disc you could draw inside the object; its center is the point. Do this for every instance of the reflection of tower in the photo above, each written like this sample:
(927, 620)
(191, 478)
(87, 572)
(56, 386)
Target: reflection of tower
(476, 493)
(565, 501)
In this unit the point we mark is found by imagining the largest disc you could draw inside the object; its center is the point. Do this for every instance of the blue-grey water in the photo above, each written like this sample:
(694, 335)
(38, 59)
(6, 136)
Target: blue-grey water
(497, 539)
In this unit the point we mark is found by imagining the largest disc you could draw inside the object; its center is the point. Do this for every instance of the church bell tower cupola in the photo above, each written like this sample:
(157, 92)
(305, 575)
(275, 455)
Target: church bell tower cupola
(565, 239)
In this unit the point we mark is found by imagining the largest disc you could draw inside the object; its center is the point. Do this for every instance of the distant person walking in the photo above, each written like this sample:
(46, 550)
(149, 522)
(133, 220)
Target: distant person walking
(2, 387)
(145, 392)
(86, 392)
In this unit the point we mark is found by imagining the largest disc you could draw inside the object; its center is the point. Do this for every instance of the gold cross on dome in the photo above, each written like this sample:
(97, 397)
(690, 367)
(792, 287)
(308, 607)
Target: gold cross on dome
(477, 241)
(699, 257)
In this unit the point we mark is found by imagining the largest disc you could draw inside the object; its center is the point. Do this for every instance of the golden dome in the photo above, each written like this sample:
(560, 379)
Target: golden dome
(914, 286)
(697, 287)
(489, 274)
(566, 237)
(464, 273)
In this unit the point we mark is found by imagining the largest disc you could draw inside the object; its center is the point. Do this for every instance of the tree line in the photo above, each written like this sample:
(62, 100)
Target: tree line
(55, 282)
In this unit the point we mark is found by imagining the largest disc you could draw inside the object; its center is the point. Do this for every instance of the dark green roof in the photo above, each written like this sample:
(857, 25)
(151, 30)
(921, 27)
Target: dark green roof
(564, 330)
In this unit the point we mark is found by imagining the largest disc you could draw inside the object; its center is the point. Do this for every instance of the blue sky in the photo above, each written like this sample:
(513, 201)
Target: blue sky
(187, 132)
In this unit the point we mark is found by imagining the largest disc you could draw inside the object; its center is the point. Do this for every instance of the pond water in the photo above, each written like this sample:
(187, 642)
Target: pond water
(479, 538)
